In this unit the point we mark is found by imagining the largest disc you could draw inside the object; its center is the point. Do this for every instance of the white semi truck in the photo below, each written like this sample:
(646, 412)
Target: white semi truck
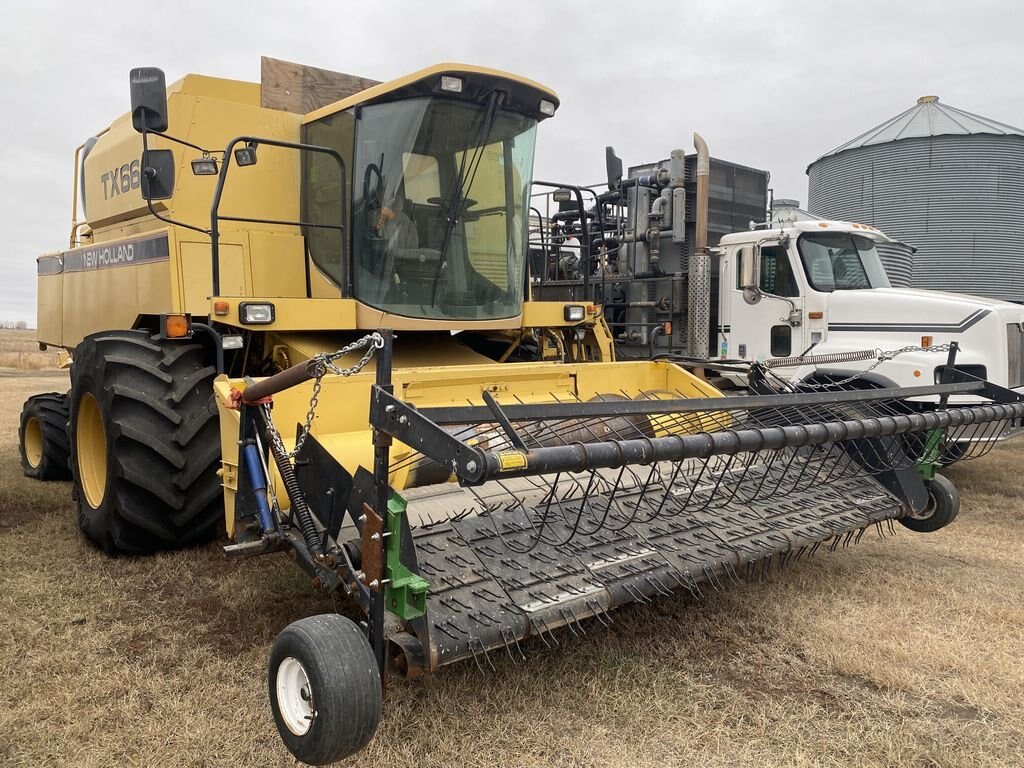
(804, 295)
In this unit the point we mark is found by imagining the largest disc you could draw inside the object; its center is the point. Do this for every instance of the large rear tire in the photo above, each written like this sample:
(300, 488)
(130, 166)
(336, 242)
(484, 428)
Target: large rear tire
(145, 444)
(43, 437)
(325, 688)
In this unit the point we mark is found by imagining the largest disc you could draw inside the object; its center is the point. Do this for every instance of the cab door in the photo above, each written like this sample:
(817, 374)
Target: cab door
(767, 321)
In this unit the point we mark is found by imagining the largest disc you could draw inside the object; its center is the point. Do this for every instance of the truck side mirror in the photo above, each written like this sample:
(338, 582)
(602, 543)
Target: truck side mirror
(157, 181)
(750, 273)
(149, 100)
(750, 267)
(613, 164)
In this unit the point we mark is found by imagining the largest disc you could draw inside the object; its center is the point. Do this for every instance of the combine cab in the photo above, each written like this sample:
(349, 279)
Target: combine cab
(359, 377)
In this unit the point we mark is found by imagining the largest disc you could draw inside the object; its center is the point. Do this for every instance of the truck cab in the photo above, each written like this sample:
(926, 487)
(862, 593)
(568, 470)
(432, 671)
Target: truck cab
(819, 288)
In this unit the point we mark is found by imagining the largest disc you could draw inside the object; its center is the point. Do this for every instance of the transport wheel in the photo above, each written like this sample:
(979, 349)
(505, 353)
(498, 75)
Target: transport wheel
(325, 688)
(145, 443)
(43, 437)
(943, 505)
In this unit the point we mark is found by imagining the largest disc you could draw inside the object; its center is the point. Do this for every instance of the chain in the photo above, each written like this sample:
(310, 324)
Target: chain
(317, 367)
(881, 356)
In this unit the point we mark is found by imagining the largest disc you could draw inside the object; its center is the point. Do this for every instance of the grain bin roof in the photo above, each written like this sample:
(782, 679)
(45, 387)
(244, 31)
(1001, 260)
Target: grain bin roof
(928, 117)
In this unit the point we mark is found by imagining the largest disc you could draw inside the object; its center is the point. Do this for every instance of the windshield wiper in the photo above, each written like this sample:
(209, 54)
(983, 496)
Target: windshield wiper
(463, 183)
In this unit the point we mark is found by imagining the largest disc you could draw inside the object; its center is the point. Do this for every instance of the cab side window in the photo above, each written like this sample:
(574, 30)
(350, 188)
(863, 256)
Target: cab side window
(776, 272)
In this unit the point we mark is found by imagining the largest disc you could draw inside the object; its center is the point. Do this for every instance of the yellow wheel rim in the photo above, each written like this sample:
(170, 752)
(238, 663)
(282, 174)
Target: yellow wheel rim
(91, 450)
(33, 442)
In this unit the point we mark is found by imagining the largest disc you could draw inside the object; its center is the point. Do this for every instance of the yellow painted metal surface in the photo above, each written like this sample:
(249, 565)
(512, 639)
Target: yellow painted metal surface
(33, 442)
(341, 422)
(91, 454)
(50, 308)
(277, 264)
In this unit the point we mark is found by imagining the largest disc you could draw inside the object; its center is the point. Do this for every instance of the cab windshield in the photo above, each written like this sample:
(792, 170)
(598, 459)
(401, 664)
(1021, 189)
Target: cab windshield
(839, 261)
(440, 196)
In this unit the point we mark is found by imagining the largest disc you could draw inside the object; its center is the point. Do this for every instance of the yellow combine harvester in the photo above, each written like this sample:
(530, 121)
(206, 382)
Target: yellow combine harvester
(332, 351)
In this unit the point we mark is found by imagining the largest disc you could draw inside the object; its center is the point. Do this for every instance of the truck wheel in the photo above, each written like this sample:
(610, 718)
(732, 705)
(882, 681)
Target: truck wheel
(325, 688)
(943, 506)
(43, 437)
(145, 443)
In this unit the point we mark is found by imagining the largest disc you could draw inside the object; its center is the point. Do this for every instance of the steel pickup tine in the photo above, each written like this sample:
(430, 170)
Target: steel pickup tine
(543, 627)
(507, 635)
(571, 620)
(599, 613)
(658, 586)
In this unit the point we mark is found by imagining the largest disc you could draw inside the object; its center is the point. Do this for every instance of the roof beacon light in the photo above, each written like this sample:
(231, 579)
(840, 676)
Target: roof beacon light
(546, 107)
(451, 84)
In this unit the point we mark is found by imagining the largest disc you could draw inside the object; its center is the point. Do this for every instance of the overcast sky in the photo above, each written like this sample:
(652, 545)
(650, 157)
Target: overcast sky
(769, 84)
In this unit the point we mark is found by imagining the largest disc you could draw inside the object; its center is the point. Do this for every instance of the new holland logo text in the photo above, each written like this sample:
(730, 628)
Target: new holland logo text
(121, 180)
(109, 256)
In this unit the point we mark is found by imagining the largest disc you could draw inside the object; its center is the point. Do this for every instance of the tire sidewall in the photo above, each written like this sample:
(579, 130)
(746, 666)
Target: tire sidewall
(292, 644)
(87, 378)
(41, 470)
(344, 683)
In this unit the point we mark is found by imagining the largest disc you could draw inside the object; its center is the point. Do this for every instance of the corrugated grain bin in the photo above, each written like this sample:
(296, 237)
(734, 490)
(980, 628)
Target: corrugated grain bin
(948, 182)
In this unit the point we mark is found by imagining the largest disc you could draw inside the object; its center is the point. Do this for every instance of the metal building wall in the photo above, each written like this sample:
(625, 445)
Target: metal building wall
(959, 200)
(898, 260)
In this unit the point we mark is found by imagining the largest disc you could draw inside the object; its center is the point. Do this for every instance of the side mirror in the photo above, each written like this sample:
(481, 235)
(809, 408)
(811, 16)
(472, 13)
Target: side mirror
(613, 164)
(157, 181)
(149, 100)
(750, 267)
(750, 273)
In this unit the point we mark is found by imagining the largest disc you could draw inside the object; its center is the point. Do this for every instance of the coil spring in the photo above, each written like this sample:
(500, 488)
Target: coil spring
(829, 359)
(302, 512)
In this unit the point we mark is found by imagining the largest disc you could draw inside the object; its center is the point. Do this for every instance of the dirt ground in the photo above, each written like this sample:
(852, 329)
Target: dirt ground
(907, 651)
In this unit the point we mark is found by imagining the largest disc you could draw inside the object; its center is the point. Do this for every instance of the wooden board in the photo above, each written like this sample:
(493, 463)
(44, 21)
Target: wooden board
(297, 88)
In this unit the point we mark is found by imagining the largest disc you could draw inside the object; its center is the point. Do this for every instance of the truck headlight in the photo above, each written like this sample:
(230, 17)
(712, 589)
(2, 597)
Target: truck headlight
(574, 313)
(255, 313)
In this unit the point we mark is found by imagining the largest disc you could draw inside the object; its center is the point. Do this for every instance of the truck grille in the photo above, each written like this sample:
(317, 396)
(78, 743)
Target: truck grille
(1015, 355)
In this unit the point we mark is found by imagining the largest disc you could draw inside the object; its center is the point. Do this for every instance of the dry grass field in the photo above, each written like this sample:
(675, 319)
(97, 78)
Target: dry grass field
(18, 349)
(907, 651)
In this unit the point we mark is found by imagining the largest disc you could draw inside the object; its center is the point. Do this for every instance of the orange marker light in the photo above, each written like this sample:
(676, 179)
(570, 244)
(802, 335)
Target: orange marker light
(815, 315)
(175, 326)
(220, 308)
(917, 374)
(927, 341)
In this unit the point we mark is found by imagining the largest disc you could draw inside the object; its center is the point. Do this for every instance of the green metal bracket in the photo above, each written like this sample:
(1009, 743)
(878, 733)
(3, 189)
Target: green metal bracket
(405, 592)
(929, 463)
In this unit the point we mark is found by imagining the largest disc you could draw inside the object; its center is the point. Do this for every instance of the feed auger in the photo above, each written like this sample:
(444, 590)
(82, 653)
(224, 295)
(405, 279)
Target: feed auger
(511, 515)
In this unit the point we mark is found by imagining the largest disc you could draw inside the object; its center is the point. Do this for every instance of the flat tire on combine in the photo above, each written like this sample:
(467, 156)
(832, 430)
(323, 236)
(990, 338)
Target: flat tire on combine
(145, 443)
(943, 506)
(43, 437)
(325, 689)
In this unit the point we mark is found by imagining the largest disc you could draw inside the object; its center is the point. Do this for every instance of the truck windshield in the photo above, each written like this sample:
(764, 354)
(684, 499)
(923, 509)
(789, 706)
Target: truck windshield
(441, 190)
(840, 261)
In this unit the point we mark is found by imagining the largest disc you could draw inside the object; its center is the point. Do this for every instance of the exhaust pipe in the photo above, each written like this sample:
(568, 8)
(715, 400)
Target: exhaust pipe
(698, 315)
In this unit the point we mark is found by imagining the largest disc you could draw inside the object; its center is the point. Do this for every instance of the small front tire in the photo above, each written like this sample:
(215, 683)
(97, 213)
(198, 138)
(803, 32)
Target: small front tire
(325, 688)
(943, 506)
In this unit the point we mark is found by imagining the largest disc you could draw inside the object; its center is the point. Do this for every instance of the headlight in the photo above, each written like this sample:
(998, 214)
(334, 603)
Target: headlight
(255, 314)
(574, 313)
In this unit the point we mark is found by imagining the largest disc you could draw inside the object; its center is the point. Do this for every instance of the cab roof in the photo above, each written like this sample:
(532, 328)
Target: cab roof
(800, 227)
(524, 94)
